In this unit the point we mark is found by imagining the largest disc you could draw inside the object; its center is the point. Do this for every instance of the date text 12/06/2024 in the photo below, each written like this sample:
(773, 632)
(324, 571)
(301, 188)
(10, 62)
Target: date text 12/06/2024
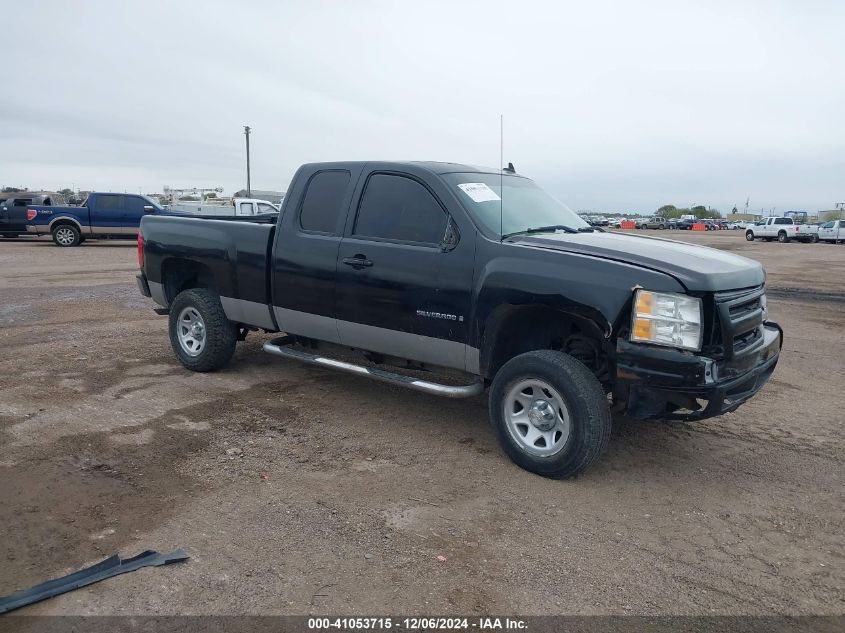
(416, 624)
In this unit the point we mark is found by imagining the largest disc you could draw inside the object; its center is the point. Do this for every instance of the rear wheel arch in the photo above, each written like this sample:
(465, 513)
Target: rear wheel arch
(513, 330)
(179, 275)
(63, 219)
(66, 232)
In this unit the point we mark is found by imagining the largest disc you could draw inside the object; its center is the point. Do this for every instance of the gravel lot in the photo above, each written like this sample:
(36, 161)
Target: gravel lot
(298, 490)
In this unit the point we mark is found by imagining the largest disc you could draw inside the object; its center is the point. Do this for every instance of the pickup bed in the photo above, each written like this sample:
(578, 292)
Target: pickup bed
(101, 216)
(450, 269)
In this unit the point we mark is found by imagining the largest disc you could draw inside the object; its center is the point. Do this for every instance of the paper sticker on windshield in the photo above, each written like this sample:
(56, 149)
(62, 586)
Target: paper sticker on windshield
(478, 191)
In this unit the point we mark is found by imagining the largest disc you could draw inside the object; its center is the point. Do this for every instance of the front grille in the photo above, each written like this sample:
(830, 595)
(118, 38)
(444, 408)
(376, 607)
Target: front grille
(740, 317)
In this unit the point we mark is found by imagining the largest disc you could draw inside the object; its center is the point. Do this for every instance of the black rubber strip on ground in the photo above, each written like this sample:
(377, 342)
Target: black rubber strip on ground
(112, 566)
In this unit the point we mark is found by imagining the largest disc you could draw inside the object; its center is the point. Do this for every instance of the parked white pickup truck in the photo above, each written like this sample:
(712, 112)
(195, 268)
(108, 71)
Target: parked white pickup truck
(239, 207)
(783, 230)
(833, 232)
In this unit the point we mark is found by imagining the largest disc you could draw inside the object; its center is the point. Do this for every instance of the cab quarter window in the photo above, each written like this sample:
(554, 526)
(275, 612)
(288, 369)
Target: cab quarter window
(323, 202)
(399, 208)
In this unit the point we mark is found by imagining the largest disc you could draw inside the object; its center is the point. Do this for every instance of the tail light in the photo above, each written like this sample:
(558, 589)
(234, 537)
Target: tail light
(140, 250)
(31, 214)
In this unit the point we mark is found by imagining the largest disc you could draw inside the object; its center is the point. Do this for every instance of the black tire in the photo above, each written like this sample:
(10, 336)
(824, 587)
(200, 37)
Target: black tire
(584, 397)
(814, 239)
(749, 236)
(783, 238)
(220, 335)
(66, 235)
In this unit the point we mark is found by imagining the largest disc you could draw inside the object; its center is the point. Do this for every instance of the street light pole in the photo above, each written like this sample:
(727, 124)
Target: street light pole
(247, 130)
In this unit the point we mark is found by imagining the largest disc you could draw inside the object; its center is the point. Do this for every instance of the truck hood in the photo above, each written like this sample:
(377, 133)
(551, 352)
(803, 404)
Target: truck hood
(698, 268)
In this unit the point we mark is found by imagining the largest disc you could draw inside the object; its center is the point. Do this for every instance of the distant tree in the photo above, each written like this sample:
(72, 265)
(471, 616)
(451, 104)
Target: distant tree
(189, 199)
(66, 191)
(12, 190)
(666, 209)
(211, 195)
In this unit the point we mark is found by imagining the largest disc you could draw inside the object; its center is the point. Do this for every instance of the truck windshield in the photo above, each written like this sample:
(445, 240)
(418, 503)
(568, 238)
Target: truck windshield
(522, 206)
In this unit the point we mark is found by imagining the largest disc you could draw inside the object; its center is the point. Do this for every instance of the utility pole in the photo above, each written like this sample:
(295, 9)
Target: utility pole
(247, 130)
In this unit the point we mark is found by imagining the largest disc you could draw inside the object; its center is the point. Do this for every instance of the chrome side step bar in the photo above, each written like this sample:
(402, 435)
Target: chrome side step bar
(281, 347)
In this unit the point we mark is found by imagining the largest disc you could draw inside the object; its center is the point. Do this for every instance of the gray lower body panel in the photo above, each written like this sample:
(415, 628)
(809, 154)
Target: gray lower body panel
(425, 349)
(248, 313)
(315, 326)
(157, 293)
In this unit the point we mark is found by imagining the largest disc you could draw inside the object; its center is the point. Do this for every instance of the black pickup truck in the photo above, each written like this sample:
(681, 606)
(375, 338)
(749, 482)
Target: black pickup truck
(478, 273)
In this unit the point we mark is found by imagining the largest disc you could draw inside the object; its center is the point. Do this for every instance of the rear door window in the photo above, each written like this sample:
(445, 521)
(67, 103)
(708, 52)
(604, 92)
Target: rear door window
(247, 208)
(323, 204)
(109, 203)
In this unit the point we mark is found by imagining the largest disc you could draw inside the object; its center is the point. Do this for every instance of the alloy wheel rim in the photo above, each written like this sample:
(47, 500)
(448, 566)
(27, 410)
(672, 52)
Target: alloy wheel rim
(64, 236)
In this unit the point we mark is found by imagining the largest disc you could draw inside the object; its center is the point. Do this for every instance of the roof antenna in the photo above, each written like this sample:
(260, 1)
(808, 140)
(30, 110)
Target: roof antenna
(501, 177)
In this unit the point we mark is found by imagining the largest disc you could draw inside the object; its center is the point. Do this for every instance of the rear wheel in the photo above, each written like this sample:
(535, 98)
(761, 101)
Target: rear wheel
(783, 238)
(550, 413)
(201, 336)
(66, 235)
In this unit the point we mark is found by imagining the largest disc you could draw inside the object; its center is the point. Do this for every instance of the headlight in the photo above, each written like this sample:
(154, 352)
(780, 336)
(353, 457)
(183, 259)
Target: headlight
(666, 318)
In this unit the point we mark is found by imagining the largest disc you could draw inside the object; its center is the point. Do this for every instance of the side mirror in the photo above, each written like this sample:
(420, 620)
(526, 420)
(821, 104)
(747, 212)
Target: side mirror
(148, 208)
(450, 238)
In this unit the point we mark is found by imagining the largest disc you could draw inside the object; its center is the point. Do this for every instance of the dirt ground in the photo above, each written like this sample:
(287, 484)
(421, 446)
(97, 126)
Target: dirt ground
(297, 490)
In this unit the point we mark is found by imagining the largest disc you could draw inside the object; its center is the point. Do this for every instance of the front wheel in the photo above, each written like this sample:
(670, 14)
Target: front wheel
(66, 235)
(550, 413)
(201, 335)
(814, 239)
(749, 236)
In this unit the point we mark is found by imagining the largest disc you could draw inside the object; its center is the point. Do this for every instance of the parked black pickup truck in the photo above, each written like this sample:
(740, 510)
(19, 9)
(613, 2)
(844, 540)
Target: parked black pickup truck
(437, 265)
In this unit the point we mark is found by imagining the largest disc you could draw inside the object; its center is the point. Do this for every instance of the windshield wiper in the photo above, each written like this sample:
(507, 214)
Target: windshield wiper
(541, 229)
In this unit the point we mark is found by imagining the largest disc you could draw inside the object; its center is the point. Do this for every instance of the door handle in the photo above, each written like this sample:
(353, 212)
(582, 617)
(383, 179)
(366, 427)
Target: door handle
(359, 261)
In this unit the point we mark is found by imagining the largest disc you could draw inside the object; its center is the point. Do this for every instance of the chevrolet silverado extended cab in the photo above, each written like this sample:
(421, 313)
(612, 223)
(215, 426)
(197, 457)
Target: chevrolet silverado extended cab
(476, 273)
(102, 215)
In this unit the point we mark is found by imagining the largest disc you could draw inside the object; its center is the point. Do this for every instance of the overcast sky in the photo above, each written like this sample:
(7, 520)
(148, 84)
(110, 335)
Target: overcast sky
(614, 106)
